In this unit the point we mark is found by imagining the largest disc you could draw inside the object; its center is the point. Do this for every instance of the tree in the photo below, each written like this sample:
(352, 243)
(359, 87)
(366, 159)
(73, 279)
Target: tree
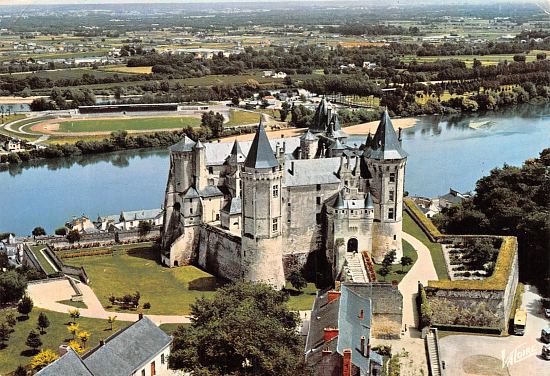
(297, 280)
(244, 328)
(33, 340)
(75, 314)
(10, 319)
(5, 332)
(111, 320)
(73, 329)
(84, 336)
(144, 228)
(61, 231)
(20, 371)
(43, 322)
(384, 271)
(73, 236)
(519, 58)
(389, 259)
(25, 306)
(12, 286)
(76, 347)
(405, 261)
(43, 358)
(213, 122)
(38, 231)
(4, 261)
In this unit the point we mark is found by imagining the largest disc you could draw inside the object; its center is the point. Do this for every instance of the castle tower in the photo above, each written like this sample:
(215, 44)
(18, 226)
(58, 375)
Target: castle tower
(234, 160)
(180, 178)
(261, 247)
(200, 170)
(322, 117)
(386, 162)
(308, 145)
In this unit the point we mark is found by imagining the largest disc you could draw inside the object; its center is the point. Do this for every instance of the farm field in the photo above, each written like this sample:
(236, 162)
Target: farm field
(128, 124)
(469, 59)
(129, 70)
(237, 117)
(56, 334)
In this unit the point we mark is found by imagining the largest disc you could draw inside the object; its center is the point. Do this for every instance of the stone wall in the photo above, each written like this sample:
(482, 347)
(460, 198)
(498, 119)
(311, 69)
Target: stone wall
(219, 252)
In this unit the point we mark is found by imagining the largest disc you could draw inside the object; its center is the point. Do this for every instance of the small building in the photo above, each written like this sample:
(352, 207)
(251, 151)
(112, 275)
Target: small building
(81, 224)
(142, 349)
(107, 222)
(339, 337)
(451, 199)
(130, 219)
(12, 145)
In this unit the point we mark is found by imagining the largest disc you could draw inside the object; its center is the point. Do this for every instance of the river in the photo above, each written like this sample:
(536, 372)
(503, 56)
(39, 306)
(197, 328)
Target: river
(443, 152)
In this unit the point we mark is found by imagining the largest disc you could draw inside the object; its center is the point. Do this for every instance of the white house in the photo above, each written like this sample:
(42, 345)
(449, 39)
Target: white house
(142, 349)
(130, 219)
(13, 145)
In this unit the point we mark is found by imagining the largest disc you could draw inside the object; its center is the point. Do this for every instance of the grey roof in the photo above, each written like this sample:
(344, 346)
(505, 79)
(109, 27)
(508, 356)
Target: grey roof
(308, 136)
(320, 119)
(70, 364)
(191, 193)
(261, 154)
(140, 215)
(127, 350)
(186, 144)
(385, 144)
(337, 145)
(323, 315)
(339, 203)
(107, 218)
(199, 145)
(210, 191)
(351, 327)
(353, 204)
(217, 152)
(234, 206)
(335, 130)
(369, 204)
(312, 171)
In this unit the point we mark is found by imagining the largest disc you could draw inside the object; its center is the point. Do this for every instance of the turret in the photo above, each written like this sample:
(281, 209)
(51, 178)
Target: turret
(261, 249)
(201, 172)
(308, 145)
(386, 162)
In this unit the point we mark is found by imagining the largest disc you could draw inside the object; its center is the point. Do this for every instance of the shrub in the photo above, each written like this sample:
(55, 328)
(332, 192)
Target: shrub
(147, 305)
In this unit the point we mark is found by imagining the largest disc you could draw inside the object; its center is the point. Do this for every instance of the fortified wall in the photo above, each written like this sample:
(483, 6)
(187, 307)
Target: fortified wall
(473, 305)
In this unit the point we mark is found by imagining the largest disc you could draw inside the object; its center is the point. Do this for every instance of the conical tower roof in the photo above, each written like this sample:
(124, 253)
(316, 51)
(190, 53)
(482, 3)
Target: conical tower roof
(368, 201)
(261, 154)
(236, 149)
(339, 203)
(385, 144)
(185, 144)
(308, 136)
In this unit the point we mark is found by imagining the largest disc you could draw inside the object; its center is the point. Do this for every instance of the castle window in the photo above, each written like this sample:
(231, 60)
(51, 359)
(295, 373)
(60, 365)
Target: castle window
(318, 187)
(392, 177)
(190, 210)
(318, 218)
(289, 204)
(392, 195)
(275, 191)
(275, 226)
(390, 213)
(395, 237)
(346, 182)
(210, 170)
(318, 200)
(217, 217)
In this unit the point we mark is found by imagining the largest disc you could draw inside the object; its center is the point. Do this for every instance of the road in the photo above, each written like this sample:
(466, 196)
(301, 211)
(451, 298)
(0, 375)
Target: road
(515, 355)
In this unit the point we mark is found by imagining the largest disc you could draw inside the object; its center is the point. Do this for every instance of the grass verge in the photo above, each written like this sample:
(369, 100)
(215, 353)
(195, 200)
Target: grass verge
(398, 272)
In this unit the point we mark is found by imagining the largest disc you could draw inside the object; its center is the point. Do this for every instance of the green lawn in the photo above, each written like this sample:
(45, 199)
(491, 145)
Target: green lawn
(169, 290)
(397, 273)
(301, 301)
(237, 117)
(16, 352)
(129, 124)
(69, 302)
(36, 251)
(410, 227)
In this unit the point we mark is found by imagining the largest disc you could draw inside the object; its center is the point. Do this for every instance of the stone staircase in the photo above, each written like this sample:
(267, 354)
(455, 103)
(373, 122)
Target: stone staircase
(434, 357)
(354, 268)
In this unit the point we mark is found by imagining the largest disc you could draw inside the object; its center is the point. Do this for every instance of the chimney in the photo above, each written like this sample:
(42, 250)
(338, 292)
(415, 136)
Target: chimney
(101, 342)
(333, 295)
(292, 168)
(330, 333)
(367, 352)
(346, 363)
(361, 315)
(140, 316)
(362, 346)
(400, 134)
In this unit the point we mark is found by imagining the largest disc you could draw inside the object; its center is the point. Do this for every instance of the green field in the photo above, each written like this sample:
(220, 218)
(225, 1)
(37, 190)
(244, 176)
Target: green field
(301, 301)
(469, 59)
(237, 117)
(169, 290)
(128, 124)
(17, 353)
(411, 228)
(398, 272)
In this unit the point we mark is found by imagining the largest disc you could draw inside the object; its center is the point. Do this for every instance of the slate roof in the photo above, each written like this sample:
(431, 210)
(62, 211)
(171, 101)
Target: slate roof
(127, 350)
(323, 315)
(312, 171)
(185, 144)
(368, 201)
(320, 119)
(191, 193)
(234, 206)
(236, 153)
(107, 218)
(261, 154)
(337, 145)
(70, 364)
(339, 203)
(210, 191)
(351, 327)
(140, 215)
(385, 144)
(308, 136)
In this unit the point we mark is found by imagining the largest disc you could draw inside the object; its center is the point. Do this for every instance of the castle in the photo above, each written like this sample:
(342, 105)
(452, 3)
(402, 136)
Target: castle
(257, 210)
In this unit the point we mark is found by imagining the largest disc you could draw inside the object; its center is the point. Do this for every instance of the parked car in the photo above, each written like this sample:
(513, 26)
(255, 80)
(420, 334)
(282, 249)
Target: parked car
(547, 313)
(545, 335)
(545, 352)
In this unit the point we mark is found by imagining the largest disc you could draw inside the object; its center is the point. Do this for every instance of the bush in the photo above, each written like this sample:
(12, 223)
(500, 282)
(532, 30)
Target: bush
(147, 305)
(61, 231)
